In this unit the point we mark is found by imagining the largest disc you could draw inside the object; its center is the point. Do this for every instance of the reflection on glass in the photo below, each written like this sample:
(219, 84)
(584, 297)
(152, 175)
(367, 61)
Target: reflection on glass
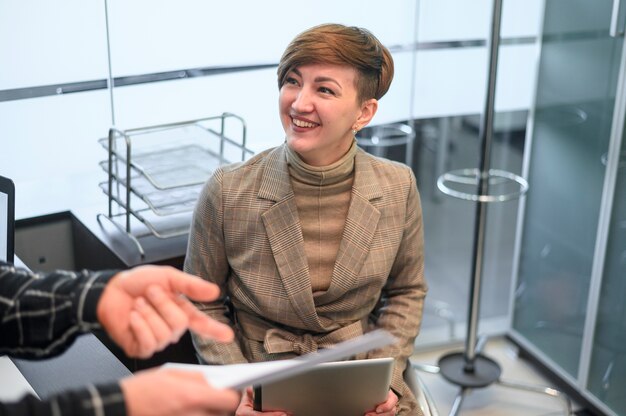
(607, 374)
(574, 105)
(447, 145)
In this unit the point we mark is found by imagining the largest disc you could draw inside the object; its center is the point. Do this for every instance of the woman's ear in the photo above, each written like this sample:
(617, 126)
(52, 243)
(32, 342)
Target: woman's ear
(368, 110)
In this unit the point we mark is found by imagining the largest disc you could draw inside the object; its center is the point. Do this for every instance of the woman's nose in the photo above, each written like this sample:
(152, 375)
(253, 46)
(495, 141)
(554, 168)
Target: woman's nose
(302, 102)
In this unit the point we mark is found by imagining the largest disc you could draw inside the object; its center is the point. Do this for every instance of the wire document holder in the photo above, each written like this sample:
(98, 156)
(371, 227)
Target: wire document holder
(155, 174)
(470, 369)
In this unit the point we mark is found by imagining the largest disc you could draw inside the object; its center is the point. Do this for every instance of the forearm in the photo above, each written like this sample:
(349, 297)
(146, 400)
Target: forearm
(206, 258)
(43, 314)
(102, 400)
(213, 352)
(197, 264)
(402, 301)
(401, 316)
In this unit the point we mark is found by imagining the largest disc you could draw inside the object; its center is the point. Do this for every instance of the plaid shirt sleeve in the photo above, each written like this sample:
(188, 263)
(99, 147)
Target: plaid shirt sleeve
(41, 315)
(92, 401)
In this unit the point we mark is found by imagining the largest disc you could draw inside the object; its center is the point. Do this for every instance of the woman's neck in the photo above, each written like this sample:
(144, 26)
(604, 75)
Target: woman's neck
(321, 175)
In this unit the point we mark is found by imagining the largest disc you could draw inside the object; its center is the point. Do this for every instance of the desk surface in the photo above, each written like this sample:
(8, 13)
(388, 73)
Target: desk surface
(87, 361)
(13, 384)
(157, 250)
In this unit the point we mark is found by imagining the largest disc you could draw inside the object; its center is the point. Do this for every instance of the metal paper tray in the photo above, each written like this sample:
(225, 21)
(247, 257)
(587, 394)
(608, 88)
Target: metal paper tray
(166, 226)
(172, 224)
(170, 157)
(166, 202)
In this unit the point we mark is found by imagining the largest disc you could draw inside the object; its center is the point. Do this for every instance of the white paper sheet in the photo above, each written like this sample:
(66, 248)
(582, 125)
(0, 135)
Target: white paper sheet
(239, 376)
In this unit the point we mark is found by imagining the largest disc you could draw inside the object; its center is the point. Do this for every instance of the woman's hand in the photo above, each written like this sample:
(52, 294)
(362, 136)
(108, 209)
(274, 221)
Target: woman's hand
(246, 407)
(388, 408)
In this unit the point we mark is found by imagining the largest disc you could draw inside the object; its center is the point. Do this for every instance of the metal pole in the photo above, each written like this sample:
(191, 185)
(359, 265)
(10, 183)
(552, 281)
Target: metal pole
(110, 79)
(486, 138)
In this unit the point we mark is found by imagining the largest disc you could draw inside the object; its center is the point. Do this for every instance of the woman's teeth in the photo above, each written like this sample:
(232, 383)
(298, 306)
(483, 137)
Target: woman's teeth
(301, 123)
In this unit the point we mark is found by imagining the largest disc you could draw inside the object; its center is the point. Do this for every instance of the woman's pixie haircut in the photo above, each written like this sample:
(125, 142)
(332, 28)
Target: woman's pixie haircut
(337, 44)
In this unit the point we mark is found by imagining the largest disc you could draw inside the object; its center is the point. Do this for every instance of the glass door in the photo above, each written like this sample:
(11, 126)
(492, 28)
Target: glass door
(607, 371)
(565, 166)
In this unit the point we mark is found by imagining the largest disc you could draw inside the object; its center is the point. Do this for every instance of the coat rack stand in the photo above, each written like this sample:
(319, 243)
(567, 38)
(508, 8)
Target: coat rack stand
(470, 369)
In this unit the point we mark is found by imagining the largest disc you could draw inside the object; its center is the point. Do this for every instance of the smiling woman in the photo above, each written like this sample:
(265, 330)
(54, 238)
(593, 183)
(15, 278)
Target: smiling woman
(320, 110)
(315, 241)
(330, 79)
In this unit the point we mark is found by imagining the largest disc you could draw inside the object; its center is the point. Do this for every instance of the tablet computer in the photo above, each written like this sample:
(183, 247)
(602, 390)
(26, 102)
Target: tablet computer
(343, 388)
(7, 219)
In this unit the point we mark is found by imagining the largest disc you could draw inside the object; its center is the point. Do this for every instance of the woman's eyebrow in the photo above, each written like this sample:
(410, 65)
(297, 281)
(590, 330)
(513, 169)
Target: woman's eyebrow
(319, 79)
(327, 79)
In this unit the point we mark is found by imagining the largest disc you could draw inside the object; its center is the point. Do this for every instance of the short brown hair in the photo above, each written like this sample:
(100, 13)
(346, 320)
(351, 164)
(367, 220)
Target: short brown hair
(342, 45)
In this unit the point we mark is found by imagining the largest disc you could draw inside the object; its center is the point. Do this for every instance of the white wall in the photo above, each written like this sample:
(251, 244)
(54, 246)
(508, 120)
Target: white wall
(153, 36)
(52, 42)
(51, 142)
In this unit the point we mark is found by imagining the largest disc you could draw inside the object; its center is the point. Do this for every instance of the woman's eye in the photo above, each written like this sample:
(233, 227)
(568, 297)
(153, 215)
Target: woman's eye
(326, 91)
(291, 81)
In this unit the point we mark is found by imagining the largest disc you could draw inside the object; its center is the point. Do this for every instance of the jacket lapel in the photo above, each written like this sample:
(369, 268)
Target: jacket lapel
(284, 232)
(359, 229)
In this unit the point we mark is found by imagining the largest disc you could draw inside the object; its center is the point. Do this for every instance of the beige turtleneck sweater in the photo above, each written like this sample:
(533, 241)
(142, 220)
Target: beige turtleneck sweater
(322, 197)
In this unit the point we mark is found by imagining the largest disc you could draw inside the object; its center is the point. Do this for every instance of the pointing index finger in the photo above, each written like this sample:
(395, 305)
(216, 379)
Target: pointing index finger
(204, 325)
(193, 287)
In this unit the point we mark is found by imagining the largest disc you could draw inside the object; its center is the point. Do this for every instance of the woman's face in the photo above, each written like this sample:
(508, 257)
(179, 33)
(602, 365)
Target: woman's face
(319, 107)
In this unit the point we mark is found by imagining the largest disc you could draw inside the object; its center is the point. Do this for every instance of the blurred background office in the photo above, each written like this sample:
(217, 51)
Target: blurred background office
(555, 260)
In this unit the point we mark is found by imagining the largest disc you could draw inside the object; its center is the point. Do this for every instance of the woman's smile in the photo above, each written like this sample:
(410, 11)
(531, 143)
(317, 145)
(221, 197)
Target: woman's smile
(303, 123)
(319, 108)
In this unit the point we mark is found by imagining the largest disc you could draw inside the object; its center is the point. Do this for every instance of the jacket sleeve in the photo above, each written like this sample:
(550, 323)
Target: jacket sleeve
(92, 401)
(42, 314)
(400, 308)
(206, 258)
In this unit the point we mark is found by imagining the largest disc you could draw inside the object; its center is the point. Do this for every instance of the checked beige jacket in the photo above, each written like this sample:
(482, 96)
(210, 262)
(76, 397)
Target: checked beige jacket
(246, 237)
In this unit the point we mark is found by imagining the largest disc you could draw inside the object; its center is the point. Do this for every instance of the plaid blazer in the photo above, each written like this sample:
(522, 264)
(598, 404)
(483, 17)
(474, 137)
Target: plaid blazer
(246, 237)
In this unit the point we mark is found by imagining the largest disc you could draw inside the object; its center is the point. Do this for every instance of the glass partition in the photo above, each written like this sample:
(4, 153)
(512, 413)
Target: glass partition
(607, 374)
(572, 125)
(568, 307)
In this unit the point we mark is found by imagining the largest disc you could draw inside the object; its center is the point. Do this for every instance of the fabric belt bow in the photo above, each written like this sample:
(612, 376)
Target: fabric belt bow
(280, 341)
